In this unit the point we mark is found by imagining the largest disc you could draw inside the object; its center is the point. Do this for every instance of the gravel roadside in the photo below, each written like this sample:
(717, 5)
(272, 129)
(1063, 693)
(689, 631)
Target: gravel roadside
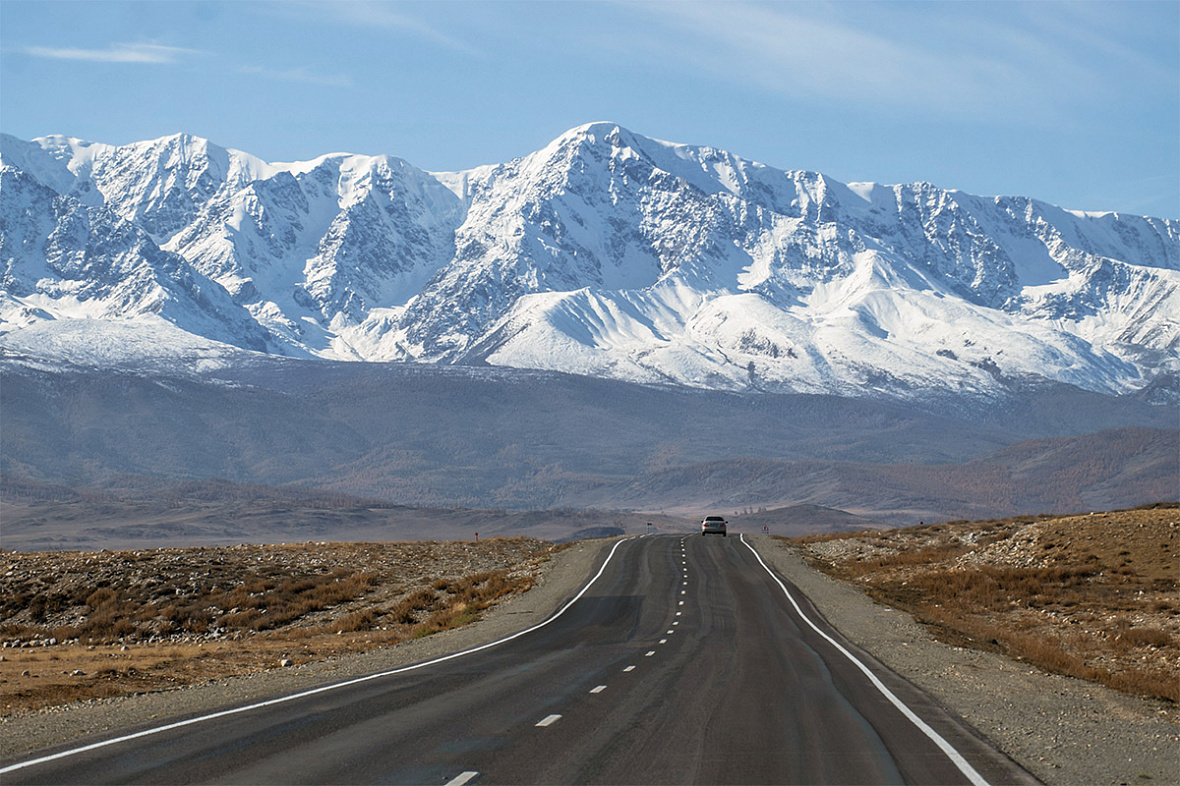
(561, 577)
(1064, 731)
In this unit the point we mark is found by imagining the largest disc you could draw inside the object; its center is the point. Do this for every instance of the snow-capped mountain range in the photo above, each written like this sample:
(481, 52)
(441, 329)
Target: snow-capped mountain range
(604, 254)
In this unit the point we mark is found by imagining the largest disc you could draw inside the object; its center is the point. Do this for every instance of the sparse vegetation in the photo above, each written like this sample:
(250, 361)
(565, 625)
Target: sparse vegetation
(76, 625)
(1092, 596)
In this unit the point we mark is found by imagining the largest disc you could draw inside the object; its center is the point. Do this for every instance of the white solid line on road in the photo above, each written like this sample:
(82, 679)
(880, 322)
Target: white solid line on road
(599, 689)
(462, 778)
(649, 653)
(953, 754)
(629, 668)
(549, 720)
(321, 689)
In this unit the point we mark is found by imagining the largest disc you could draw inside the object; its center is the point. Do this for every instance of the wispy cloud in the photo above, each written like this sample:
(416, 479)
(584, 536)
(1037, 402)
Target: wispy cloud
(156, 54)
(801, 53)
(958, 61)
(301, 74)
(373, 14)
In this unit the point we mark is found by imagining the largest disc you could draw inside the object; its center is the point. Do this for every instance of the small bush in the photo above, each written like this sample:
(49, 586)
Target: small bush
(1144, 637)
(365, 619)
(100, 597)
(407, 611)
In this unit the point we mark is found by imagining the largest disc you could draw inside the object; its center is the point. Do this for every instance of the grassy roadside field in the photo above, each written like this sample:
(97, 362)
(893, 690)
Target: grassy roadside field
(1093, 596)
(84, 625)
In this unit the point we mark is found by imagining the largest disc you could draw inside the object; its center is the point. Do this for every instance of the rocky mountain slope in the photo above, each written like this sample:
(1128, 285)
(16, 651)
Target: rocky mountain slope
(604, 254)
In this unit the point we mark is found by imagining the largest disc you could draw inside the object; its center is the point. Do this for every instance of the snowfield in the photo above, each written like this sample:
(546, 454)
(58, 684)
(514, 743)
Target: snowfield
(604, 254)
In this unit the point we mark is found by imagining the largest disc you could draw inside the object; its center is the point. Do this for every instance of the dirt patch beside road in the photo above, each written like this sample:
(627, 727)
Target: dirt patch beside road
(1094, 596)
(85, 625)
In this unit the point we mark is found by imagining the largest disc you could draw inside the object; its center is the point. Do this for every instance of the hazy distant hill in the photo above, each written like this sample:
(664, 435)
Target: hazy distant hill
(500, 439)
(1109, 469)
(798, 520)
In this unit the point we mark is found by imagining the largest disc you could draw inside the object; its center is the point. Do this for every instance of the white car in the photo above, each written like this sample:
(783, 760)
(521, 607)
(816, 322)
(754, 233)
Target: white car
(713, 524)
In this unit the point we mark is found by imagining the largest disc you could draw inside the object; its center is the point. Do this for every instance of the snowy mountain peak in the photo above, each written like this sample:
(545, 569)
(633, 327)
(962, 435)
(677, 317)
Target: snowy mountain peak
(604, 253)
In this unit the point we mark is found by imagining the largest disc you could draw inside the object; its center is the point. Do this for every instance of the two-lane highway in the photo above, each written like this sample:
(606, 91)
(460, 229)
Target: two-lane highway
(684, 660)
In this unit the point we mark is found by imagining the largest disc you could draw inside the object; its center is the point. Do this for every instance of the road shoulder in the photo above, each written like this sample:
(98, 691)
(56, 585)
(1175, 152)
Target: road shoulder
(1063, 730)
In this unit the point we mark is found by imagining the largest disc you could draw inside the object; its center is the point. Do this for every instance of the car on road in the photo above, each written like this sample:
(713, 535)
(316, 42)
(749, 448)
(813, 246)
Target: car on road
(714, 525)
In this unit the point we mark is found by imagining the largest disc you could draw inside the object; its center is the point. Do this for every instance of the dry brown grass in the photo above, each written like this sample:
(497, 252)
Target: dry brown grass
(78, 625)
(1094, 596)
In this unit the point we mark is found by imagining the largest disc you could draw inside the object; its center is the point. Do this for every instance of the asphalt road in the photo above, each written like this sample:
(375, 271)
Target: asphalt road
(684, 661)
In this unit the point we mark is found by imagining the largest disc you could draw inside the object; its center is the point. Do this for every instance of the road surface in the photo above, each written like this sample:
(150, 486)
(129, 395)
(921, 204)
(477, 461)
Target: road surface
(684, 660)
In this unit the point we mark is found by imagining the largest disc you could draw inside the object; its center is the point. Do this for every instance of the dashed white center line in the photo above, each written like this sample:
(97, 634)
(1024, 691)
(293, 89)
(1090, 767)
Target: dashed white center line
(679, 613)
(682, 602)
(549, 720)
(599, 689)
(663, 641)
(677, 622)
(462, 778)
(671, 632)
(649, 654)
(629, 668)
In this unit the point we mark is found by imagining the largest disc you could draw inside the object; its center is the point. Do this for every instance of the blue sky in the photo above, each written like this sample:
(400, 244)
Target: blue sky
(1074, 103)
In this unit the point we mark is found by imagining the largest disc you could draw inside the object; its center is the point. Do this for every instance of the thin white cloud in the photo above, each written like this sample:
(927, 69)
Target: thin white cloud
(300, 74)
(798, 52)
(156, 54)
(374, 14)
(946, 58)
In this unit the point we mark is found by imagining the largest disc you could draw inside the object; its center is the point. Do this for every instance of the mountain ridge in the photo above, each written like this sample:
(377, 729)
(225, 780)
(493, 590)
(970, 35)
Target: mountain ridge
(606, 253)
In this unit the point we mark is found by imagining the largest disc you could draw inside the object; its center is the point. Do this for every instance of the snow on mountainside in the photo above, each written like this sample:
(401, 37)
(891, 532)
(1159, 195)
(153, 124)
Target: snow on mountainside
(606, 254)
